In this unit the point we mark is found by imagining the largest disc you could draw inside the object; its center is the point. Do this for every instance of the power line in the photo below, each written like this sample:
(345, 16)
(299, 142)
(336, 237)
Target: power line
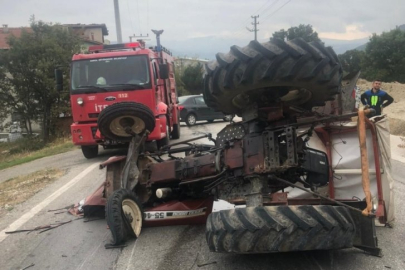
(257, 11)
(147, 16)
(241, 32)
(268, 8)
(130, 17)
(277, 9)
(139, 18)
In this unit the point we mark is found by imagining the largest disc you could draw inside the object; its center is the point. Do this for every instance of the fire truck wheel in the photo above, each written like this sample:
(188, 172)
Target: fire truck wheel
(114, 121)
(176, 131)
(165, 141)
(124, 215)
(284, 228)
(294, 72)
(90, 151)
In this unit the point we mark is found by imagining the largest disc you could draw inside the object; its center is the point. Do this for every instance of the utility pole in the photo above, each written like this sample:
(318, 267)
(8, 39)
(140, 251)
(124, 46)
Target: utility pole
(255, 23)
(117, 21)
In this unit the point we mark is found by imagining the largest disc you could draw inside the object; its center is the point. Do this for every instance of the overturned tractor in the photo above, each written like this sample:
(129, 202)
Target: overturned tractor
(286, 93)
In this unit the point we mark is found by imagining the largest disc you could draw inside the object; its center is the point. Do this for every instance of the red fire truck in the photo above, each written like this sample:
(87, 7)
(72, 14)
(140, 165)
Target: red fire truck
(121, 73)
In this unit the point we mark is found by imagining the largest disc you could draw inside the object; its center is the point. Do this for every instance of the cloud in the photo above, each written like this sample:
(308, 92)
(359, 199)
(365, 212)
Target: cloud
(182, 19)
(351, 32)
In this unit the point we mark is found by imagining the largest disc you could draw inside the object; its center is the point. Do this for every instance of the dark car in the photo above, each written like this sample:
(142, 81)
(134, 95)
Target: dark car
(193, 109)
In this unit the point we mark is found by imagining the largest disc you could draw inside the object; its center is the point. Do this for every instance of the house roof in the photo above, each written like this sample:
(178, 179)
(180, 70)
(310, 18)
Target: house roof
(16, 31)
(93, 25)
(7, 32)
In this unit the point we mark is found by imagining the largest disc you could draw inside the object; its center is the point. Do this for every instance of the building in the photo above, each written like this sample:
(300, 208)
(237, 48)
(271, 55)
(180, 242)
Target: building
(91, 34)
(6, 32)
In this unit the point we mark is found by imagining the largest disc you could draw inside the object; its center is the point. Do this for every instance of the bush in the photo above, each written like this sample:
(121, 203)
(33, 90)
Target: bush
(27, 144)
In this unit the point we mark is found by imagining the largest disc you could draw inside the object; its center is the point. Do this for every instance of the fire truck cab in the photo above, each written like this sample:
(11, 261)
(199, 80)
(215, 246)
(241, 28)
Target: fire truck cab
(119, 73)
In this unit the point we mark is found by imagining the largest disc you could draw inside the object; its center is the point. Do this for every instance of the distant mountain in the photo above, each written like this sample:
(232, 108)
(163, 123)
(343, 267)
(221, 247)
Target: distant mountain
(207, 47)
(341, 46)
(362, 47)
(203, 47)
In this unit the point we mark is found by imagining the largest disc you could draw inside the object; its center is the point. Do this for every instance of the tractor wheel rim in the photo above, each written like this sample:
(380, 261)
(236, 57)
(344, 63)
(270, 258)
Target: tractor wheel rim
(119, 124)
(191, 119)
(131, 209)
(298, 96)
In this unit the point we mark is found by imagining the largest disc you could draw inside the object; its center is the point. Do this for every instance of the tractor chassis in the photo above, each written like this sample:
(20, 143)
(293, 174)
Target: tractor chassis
(208, 170)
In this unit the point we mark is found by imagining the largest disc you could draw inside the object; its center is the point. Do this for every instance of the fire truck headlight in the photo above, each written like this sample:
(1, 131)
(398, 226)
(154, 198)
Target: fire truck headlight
(80, 101)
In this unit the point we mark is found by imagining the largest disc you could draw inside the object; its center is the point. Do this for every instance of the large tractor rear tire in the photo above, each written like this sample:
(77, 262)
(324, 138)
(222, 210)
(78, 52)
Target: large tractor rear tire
(293, 72)
(280, 229)
(116, 118)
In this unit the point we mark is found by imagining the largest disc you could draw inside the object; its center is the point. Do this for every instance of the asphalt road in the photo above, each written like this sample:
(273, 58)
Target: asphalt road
(80, 245)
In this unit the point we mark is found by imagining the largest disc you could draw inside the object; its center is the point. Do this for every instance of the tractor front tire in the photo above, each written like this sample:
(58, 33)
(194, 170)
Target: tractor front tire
(114, 121)
(268, 229)
(124, 215)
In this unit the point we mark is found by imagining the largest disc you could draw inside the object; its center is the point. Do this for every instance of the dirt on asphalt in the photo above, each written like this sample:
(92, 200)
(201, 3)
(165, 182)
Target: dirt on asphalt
(18, 189)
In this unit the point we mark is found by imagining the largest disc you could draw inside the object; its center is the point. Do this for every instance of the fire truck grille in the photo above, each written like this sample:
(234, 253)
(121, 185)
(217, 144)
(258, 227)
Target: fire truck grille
(93, 115)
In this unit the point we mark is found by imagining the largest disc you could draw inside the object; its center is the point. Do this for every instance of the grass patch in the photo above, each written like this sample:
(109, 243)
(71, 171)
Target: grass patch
(21, 188)
(29, 149)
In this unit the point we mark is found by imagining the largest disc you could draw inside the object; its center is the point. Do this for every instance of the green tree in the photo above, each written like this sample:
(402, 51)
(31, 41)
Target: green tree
(179, 83)
(385, 57)
(351, 60)
(27, 83)
(192, 78)
(304, 31)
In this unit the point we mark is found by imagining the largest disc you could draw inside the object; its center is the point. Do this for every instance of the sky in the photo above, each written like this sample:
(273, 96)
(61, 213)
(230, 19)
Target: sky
(185, 19)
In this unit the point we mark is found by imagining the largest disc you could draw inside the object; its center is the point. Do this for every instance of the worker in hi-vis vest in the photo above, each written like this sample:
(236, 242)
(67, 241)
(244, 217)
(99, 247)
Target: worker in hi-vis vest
(376, 98)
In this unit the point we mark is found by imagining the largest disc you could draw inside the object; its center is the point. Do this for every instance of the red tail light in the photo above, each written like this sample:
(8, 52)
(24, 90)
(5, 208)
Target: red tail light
(180, 107)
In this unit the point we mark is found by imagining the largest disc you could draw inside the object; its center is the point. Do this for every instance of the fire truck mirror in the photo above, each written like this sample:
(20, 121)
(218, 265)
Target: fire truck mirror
(164, 71)
(59, 79)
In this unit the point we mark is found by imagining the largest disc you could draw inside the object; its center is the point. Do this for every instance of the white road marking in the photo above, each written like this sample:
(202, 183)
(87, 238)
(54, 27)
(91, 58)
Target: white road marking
(27, 216)
(130, 257)
(90, 257)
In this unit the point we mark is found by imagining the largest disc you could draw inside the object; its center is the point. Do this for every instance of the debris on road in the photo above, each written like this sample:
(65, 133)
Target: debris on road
(93, 219)
(205, 264)
(63, 208)
(29, 266)
(43, 228)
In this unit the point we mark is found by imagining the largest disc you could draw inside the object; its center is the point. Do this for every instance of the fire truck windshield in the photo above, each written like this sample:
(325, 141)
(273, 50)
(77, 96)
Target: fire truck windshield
(111, 74)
